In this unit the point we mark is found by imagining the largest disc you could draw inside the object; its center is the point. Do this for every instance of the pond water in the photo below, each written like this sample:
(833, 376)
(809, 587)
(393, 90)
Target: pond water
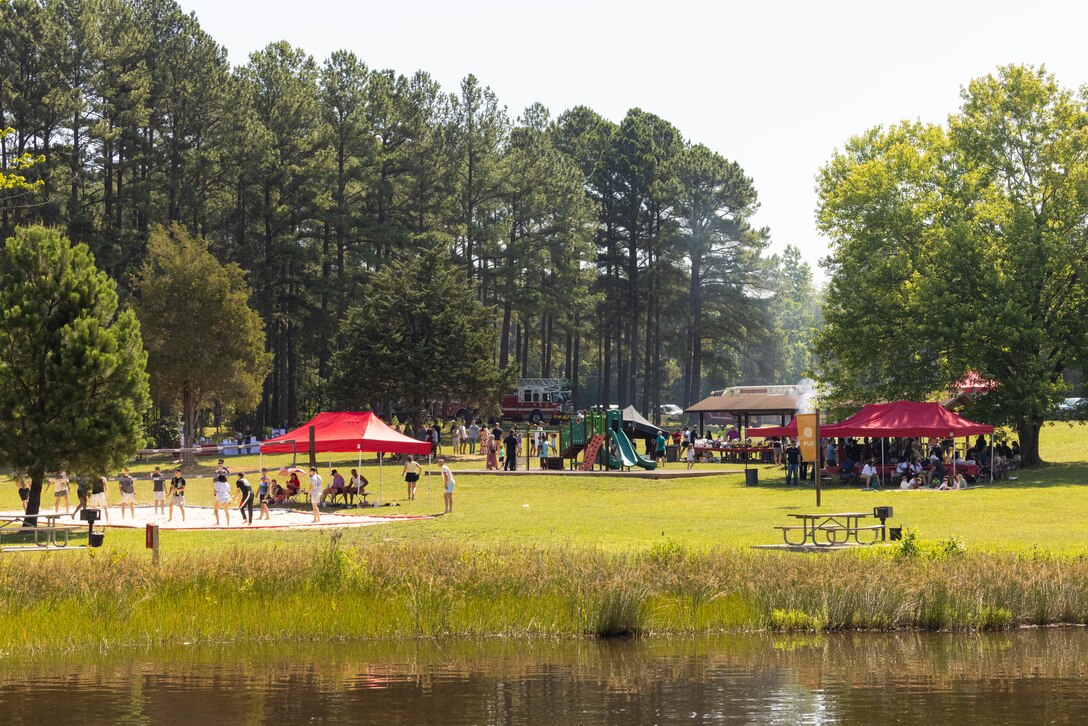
(1028, 677)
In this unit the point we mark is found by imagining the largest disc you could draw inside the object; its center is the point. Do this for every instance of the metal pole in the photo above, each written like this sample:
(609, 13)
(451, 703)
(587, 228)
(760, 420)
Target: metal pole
(359, 448)
(380, 457)
(991, 458)
(881, 477)
(428, 480)
(816, 464)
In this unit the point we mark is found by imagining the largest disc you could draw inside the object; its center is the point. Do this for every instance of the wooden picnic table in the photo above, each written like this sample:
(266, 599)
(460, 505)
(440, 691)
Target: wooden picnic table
(13, 524)
(834, 529)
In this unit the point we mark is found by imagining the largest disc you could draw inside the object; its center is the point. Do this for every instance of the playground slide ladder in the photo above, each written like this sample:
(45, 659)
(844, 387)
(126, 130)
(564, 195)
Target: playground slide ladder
(589, 458)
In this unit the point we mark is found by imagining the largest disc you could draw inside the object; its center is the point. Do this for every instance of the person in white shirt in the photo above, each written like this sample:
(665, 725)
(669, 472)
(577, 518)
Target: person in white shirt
(315, 491)
(222, 496)
(869, 476)
(447, 482)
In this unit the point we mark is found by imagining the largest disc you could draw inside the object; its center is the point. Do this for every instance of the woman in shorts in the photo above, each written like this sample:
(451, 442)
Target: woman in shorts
(264, 494)
(222, 497)
(60, 491)
(411, 475)
(99, 500)
(24, 488)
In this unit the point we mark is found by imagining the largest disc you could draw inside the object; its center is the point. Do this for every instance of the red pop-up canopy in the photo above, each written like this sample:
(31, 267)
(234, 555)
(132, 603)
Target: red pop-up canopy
(905, 418)
(346, 431)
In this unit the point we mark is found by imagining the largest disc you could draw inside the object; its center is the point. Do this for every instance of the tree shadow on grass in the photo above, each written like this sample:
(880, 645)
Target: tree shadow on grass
(1041, 477)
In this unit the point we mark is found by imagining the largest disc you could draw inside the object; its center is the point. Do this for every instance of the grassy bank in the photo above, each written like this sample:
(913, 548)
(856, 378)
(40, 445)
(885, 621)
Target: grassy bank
(328, 590)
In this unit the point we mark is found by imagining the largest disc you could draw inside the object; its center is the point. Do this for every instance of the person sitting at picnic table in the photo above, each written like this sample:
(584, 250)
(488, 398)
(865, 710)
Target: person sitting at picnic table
(869, 475)
(936, 470)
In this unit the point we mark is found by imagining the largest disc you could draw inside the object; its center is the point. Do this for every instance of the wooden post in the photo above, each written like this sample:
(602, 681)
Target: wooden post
(313, 446)
(151, 541)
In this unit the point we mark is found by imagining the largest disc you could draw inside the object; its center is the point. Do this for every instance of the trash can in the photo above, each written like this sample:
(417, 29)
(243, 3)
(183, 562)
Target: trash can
(751, 477)
(895, 534)
(672, 453)
(95, 539)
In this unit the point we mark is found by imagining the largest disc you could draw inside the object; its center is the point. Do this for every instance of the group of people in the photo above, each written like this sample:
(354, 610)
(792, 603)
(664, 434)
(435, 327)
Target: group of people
(935, 464)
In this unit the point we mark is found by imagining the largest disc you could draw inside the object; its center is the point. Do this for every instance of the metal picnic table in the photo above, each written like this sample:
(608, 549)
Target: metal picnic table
(836, 529)
(13, 524)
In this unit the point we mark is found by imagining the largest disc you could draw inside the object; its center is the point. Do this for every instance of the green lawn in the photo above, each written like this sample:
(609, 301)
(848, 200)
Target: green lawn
(1043, 508)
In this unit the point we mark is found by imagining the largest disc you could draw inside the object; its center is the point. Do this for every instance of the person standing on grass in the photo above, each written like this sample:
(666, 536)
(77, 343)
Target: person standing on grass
(455, 436)
(473, 437)
(544, 450)
(464, 437)
(492, 452)
(221, 490)
(659, 448)
(127, 486)
(83, 490)
(410, 472)
(60, 491)
(177, 495)
(158, 491)
(690, 455)
(511, 445)
(99, 500)
(245, 502)
(793, 463)
(24, 488)
(315, 492)
(447, 486)
(264, 492)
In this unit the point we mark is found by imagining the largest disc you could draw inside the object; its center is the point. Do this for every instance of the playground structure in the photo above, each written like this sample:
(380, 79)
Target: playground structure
(600, 439)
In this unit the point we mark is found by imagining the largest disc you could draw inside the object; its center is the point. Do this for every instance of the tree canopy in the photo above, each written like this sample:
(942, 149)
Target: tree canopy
(417, 334)
(204, 342)
(962, 248)
(310, 175)
(73, 386)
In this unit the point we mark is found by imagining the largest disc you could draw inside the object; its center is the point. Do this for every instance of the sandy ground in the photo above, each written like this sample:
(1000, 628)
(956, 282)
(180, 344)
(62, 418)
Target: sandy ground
(204, 518)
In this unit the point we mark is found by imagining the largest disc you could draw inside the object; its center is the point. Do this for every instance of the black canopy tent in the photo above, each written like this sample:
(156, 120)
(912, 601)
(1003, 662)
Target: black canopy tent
(636, 425)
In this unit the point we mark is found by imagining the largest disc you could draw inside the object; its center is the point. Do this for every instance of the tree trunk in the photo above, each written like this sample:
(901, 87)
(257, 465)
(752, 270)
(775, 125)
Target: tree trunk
(1028, 431)
(34, 501)
(577, 336)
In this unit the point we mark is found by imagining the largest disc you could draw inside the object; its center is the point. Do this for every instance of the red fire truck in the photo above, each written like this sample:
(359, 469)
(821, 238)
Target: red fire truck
(538, 399)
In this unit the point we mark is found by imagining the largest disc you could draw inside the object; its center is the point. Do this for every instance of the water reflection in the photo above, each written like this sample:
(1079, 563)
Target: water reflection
(1025, 677)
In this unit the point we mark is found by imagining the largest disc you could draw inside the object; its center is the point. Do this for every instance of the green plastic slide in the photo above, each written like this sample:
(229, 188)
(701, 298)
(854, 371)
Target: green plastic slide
(628, 456)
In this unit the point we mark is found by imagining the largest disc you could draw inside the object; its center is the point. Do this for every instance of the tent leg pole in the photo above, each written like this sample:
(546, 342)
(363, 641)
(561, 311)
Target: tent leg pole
(379, 479)
(991, 458)
(428, 481)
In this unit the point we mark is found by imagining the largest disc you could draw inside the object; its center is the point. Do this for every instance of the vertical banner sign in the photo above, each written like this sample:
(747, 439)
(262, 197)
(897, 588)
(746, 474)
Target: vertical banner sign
(808, 438)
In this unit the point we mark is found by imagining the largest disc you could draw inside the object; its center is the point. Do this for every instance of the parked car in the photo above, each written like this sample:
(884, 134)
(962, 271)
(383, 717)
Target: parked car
(671, 410)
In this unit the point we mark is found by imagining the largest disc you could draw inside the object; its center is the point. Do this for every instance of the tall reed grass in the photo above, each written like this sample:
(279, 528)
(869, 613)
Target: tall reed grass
(329, 591)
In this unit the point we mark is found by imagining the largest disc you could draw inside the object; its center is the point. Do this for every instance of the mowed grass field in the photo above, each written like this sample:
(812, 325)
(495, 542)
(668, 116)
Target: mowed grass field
(1043, 509)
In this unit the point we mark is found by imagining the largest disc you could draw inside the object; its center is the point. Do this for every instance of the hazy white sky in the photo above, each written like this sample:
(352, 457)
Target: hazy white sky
(777, 86)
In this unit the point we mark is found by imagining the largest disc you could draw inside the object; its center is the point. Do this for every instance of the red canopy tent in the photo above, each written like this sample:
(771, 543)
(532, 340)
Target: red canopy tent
(903, 419)
(913, 419)
(346, 431)
(768, 432)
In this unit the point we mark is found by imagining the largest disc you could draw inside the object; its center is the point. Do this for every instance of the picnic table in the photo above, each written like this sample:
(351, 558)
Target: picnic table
(824, 530)
(13, 524)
